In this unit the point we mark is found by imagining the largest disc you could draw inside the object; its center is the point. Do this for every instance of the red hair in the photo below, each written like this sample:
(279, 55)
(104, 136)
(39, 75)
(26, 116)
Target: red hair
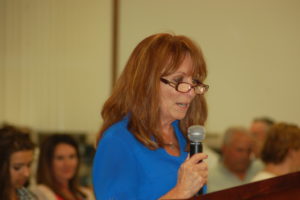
(137, 90)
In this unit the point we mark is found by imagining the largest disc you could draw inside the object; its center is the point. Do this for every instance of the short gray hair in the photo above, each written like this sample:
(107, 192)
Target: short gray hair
(231, 131)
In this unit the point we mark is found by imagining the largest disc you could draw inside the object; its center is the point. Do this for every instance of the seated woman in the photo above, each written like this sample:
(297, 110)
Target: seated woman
(281, 151)
(16, 156)
(57, 170)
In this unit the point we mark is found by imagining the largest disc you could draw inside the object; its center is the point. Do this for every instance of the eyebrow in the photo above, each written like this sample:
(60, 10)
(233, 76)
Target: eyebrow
(179, 73)
(19, 164)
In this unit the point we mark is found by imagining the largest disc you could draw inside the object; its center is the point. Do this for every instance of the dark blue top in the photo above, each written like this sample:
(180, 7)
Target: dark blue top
(125, 169)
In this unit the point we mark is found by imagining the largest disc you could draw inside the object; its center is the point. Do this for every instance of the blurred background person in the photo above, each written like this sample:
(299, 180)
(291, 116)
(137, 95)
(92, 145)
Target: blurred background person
(57, 170)
(281, 151)
(235, 166)
(259, 128)
(16, 156)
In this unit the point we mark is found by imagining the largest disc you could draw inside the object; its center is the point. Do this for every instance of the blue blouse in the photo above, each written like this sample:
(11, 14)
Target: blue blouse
(125, 169)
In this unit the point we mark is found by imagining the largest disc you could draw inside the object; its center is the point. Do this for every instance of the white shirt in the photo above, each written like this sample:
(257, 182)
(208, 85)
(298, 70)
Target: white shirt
(262, 175)
(220, 177)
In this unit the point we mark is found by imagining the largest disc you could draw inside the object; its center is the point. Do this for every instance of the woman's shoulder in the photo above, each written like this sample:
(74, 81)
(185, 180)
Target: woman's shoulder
(43, 192)
(87, 192)
(42, 187)
(262, 175)
(117, 128)
(118, 132)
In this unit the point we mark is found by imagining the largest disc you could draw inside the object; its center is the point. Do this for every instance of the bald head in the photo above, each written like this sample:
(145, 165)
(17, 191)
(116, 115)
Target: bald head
(237, 149)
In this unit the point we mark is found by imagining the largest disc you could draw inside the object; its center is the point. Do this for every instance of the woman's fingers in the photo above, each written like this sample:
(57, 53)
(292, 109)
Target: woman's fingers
(192, 174)
(198, 157)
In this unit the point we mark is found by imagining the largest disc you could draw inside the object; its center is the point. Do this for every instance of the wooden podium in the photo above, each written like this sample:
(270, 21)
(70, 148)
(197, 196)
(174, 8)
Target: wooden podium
(286, 187)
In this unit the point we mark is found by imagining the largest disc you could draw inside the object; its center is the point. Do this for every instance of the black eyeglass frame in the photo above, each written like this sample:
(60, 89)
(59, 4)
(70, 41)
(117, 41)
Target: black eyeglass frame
(176, 85)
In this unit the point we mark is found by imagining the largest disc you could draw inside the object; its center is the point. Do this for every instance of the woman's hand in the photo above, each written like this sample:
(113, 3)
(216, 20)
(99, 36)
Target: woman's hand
(192, 175)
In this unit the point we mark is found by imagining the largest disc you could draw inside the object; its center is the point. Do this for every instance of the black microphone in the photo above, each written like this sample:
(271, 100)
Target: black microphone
(196, 134)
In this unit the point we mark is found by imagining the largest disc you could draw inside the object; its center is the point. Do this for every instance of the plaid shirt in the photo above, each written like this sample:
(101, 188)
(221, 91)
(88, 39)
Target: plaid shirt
(25, 194)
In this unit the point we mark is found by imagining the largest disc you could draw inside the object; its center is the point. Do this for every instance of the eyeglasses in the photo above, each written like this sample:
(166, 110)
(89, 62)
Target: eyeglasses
(184, 87)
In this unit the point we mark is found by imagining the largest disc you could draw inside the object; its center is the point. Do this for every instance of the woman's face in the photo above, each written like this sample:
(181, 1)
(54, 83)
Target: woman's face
(174, 104)
(65, 162)
(19, 167)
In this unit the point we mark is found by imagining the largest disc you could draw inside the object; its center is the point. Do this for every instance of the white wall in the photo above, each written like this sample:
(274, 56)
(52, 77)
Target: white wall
(2, 57)
(57, 57)
(57, 71)
(251, 47)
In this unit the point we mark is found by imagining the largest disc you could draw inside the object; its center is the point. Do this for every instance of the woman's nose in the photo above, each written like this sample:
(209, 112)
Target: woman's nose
(26, 171)
(192, 92)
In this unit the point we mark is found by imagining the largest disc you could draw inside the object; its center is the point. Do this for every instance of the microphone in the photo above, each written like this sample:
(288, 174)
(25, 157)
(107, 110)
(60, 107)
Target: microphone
(196, 134)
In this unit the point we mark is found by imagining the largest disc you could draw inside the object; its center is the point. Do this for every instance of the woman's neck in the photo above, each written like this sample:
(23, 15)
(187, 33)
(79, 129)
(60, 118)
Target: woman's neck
(63, 184)
(166, 125)
(66, 190)
(14, 195)
(167, 129)
(170, 141)
(168, 133)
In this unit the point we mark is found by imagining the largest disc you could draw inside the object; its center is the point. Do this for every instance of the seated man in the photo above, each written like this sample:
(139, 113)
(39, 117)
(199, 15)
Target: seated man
(235, 167)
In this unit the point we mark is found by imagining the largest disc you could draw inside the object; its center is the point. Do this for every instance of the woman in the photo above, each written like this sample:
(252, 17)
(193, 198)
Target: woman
(141, 152)
(281, 151)
(16, 153)
(57, 170)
